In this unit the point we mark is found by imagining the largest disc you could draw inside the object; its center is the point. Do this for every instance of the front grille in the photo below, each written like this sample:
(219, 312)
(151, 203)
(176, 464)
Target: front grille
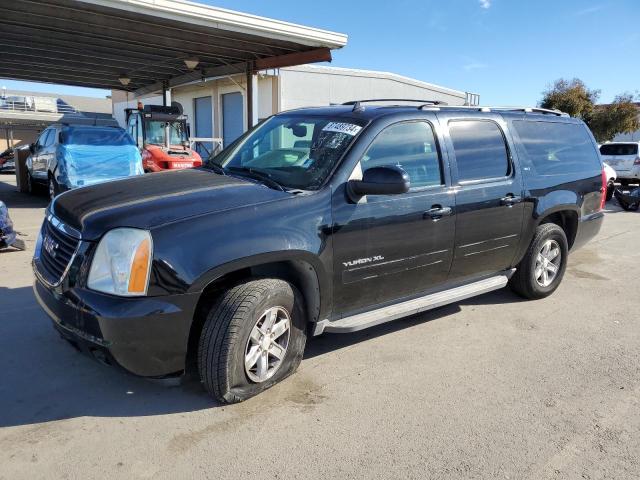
(56, 252)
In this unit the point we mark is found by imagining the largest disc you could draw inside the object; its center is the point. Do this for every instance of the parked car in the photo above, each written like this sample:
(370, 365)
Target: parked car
(318, 220)
(69, 156)
(611, 176)
(624, 159)
(7, 160)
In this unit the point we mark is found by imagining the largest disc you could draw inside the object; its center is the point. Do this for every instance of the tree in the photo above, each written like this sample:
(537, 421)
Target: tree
(605, 121)
(621, 116)
(570, 96)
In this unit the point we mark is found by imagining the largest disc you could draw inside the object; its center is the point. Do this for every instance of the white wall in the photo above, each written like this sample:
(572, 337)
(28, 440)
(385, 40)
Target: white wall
(307, 86)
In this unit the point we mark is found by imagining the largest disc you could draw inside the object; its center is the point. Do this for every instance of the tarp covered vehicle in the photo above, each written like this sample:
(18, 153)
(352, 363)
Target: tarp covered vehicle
(629, 200)
(8, 236)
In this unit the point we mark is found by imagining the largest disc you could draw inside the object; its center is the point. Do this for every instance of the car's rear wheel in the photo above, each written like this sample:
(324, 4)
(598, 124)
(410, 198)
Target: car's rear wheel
(253, 337)
(542, 268)
(610, 189)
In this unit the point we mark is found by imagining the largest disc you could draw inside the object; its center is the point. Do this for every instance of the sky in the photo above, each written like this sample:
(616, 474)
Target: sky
(508, 51)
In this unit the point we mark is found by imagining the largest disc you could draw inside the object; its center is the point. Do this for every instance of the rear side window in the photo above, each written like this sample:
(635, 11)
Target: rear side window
(412, 147)
(619, 149)
(106, 136)
(480, 149)
(552, 148)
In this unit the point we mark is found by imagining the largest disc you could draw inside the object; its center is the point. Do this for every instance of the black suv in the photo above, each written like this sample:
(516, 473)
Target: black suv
(317, 220)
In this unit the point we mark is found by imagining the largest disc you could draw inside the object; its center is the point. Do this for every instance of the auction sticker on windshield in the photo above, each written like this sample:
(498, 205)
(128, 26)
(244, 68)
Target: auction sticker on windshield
(348, 128)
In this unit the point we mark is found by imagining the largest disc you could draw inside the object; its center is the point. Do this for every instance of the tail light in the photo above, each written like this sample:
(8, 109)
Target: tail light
(637, 161)
(603, 189)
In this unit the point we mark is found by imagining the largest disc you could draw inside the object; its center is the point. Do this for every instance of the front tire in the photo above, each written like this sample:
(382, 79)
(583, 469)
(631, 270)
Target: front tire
(253, 337)
(542, 268)
(52, 188)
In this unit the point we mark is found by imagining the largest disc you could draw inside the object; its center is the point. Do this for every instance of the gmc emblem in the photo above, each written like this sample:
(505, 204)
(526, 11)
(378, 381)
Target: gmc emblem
(50, 245)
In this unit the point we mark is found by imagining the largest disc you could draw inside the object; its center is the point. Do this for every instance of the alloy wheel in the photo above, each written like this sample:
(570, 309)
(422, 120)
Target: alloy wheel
(267, 344)
(548, 262)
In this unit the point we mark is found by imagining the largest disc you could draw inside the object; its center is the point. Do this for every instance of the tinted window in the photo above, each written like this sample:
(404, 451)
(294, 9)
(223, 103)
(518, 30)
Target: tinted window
(480, 150)
(411, 146)
(96, 136)
(44, 138)
(619, 149)
(552, 148)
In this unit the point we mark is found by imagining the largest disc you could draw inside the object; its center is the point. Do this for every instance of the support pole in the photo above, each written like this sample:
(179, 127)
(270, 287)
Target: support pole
(250, 94)
(166, 95)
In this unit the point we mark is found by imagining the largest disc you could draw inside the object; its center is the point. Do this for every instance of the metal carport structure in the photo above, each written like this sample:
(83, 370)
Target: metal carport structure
(145, 46)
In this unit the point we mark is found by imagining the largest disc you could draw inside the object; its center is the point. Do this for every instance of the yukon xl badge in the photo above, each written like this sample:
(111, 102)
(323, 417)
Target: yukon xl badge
(362, 261)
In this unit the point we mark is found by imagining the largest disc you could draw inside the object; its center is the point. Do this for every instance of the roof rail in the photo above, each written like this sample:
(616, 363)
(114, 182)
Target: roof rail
(480, 108)
(357, 104)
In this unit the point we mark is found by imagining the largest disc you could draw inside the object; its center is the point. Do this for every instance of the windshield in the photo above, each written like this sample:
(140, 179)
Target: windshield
(95, 136)
(155, 132)
(293, 150)
(619, 149)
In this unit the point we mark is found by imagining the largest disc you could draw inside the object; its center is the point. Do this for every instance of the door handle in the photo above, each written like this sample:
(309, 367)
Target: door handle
(436, 212)
(510, 200)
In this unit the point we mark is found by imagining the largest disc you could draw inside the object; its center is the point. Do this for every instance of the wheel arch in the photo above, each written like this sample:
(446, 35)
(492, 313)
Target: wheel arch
(301, 272)
(565, 218)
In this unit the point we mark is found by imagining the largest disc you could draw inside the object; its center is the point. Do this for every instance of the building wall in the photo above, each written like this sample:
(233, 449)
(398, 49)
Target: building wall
(295, 87)
(307, 86)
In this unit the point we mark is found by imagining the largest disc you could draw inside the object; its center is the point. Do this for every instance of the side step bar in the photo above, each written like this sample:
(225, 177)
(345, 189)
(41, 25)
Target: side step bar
(411, 307)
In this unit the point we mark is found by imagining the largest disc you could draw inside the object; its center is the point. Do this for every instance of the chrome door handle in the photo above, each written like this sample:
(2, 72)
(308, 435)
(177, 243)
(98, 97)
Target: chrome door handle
(438, 212)
(510, 200)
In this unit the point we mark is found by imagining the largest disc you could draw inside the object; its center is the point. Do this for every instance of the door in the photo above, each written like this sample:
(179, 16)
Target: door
(204, 124)
(488, 196)
(39, 158)
(232, 117)
(391, 246)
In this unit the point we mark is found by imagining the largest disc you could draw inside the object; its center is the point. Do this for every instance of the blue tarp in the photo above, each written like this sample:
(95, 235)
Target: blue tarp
(89, 156)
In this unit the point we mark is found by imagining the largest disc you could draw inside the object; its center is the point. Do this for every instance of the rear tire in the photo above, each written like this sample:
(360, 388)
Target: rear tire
(539, 273)
(610, 188)
(238, 329)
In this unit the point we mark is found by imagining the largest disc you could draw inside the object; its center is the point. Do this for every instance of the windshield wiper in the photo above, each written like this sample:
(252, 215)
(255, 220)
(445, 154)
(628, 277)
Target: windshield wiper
(264, 177)
(215, 167)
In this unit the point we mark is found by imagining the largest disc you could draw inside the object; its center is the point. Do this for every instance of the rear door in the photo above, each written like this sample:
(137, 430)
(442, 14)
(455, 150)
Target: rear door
(489, 192)
(391, 246)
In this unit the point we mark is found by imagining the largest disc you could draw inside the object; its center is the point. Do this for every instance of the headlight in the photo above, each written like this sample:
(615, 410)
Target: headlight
(122, 262)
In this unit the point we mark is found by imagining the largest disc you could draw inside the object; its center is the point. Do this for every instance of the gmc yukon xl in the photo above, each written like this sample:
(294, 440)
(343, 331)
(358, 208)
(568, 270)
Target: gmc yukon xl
(317, 220)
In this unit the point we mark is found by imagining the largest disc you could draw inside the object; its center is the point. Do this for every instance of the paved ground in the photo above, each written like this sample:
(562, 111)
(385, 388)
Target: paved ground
(493, 387)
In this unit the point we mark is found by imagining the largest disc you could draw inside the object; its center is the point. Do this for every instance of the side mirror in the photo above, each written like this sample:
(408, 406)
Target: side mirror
(32, 147)
(386, 180)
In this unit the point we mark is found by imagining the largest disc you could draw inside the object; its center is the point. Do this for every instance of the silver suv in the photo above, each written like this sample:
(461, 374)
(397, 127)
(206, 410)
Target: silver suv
(624, 159)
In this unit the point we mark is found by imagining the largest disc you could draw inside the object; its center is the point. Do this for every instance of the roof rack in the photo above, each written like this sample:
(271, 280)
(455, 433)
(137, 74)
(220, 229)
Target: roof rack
(545, 111)
(357, 104)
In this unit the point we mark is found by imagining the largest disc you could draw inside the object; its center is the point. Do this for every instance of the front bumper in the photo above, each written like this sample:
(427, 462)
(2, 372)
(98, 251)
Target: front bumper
(146, 336)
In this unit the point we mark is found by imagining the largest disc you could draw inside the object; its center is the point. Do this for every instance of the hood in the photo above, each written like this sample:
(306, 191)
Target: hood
(178, 151)
(154, 199)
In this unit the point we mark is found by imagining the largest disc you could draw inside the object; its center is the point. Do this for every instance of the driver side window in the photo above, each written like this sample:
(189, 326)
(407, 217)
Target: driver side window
(410, 146)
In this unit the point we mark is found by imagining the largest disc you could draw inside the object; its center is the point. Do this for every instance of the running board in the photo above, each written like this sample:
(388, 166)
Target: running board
(411, 307)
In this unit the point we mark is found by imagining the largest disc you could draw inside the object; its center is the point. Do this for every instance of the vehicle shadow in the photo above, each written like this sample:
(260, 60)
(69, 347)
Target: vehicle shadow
(330, 342)
(44, 379)
(10, 195)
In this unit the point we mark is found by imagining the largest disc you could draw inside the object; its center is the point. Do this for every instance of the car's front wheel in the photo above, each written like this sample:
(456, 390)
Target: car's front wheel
(53, 188)
(542, 268)
(253, 337)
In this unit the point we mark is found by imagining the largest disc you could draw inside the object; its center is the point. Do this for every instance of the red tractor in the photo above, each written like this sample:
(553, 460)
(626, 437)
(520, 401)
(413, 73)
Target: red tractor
(162, 136)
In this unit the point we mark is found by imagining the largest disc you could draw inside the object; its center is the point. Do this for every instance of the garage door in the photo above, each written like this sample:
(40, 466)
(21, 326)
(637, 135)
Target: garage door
(232, 117)
(204, 124)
